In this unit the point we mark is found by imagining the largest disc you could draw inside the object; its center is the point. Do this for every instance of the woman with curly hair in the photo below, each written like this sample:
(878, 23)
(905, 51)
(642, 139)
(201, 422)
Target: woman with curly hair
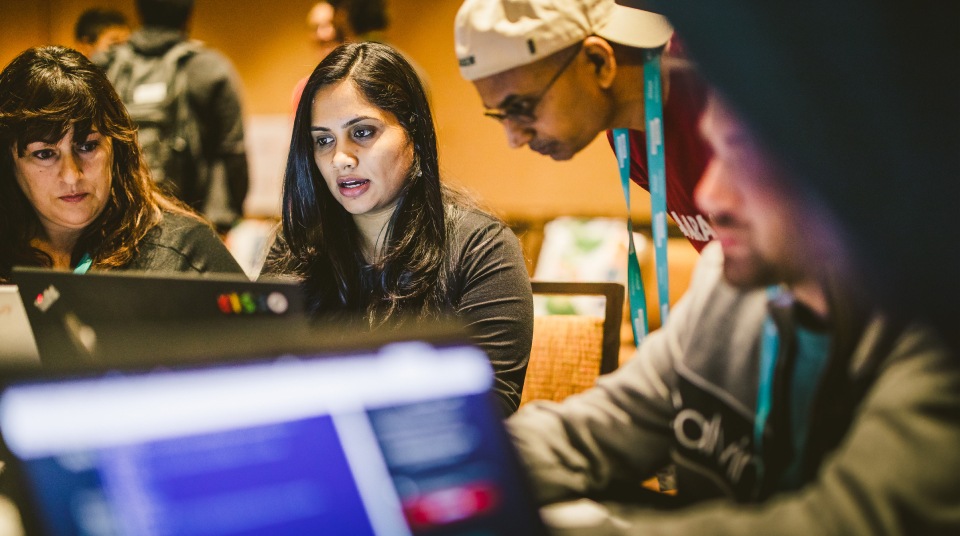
(74, 191)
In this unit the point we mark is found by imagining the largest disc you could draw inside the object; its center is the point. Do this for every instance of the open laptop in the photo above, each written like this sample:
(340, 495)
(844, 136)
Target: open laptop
(402, 438)
(16, 337)
(70, 313)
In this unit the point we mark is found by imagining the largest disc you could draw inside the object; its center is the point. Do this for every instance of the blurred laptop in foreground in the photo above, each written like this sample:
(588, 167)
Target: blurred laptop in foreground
(395, 438)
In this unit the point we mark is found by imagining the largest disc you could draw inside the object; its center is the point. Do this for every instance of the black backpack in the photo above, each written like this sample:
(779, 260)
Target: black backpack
(154, 90)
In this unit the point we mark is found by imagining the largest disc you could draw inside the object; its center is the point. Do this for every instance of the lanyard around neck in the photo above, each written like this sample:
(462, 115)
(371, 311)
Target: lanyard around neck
(769, 348)
(84, 265)
(656, 170)
(637, 294)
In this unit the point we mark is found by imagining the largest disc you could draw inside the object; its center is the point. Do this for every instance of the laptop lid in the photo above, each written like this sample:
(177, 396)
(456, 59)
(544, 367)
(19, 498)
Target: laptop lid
(16, 337)
(68, 311)
(401, 439)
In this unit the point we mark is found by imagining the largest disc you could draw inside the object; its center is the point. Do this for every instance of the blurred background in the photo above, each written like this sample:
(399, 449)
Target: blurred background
(269, 43)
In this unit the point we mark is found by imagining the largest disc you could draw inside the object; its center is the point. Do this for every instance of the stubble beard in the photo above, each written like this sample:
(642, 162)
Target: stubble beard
(750, 271)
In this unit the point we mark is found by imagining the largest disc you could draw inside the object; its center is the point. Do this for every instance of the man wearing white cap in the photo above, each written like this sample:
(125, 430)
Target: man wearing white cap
(557, 73)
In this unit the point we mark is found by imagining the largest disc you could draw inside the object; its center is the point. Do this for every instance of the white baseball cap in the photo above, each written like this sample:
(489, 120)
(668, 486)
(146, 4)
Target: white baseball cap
(492, 36)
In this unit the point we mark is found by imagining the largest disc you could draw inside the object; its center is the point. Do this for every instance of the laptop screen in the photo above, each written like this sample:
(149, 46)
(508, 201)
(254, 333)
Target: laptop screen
(68, 312)
(402, 440)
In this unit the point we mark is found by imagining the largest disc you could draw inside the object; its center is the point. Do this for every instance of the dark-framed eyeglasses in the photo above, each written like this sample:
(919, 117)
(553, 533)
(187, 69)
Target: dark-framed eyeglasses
(520, 109)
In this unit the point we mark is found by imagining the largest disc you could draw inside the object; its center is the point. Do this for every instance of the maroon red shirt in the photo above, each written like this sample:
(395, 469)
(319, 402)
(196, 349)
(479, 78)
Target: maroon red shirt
(686, 155)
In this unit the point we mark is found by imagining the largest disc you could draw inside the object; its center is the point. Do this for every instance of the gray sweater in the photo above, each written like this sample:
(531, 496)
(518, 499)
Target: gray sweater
(183, 244)
(689, 397)
(490, 296)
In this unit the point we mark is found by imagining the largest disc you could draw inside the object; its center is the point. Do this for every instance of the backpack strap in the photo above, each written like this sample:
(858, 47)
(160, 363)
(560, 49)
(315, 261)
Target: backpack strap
(187, 134)
(120, 69)
(178, 56)
(181, 51)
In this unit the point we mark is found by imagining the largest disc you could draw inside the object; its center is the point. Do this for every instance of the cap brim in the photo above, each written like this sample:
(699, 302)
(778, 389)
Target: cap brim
(636, 28)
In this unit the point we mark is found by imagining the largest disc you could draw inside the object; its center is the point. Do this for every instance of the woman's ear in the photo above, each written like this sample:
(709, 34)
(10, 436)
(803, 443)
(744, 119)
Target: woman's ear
(599, 53)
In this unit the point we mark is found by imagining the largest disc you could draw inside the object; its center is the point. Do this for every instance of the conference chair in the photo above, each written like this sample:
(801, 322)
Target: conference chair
(571, 350)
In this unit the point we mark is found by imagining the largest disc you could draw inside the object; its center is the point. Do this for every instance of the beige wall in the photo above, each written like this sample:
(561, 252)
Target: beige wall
(267, 41)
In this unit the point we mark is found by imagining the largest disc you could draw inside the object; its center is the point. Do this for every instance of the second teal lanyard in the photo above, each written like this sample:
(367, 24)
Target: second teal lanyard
(769, 350)
(657, 178)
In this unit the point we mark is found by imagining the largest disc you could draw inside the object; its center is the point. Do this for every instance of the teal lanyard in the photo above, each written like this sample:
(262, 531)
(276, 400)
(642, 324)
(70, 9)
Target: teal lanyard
(656, 168)
(84, 265)
(657, 179)
(637, 294)
(769, 347)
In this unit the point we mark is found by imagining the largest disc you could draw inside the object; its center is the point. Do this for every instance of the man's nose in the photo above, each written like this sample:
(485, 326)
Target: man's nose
(713, 193)
(517, 135)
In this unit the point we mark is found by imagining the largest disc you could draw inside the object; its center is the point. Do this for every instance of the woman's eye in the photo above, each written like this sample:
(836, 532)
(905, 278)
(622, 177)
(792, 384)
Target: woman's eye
(88, 146)
(43, 154)
(323, 141)
(363, 132)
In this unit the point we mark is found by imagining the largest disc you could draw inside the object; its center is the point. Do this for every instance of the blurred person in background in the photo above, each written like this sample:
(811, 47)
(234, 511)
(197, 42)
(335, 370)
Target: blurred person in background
(367, 20)
(203, 98)
(99, 29)
(328, 29)
(333, 22)
(327, 26)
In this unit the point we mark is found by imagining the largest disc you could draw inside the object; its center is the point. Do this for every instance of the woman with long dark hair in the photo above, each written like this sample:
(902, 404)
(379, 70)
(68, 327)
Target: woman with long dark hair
(373, 234)
(74, 191)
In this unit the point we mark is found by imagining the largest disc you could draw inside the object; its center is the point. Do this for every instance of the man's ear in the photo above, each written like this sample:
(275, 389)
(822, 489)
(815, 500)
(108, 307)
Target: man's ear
(599, 53)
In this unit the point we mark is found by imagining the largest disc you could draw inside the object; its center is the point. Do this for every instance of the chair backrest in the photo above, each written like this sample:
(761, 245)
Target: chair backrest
(570, 351)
